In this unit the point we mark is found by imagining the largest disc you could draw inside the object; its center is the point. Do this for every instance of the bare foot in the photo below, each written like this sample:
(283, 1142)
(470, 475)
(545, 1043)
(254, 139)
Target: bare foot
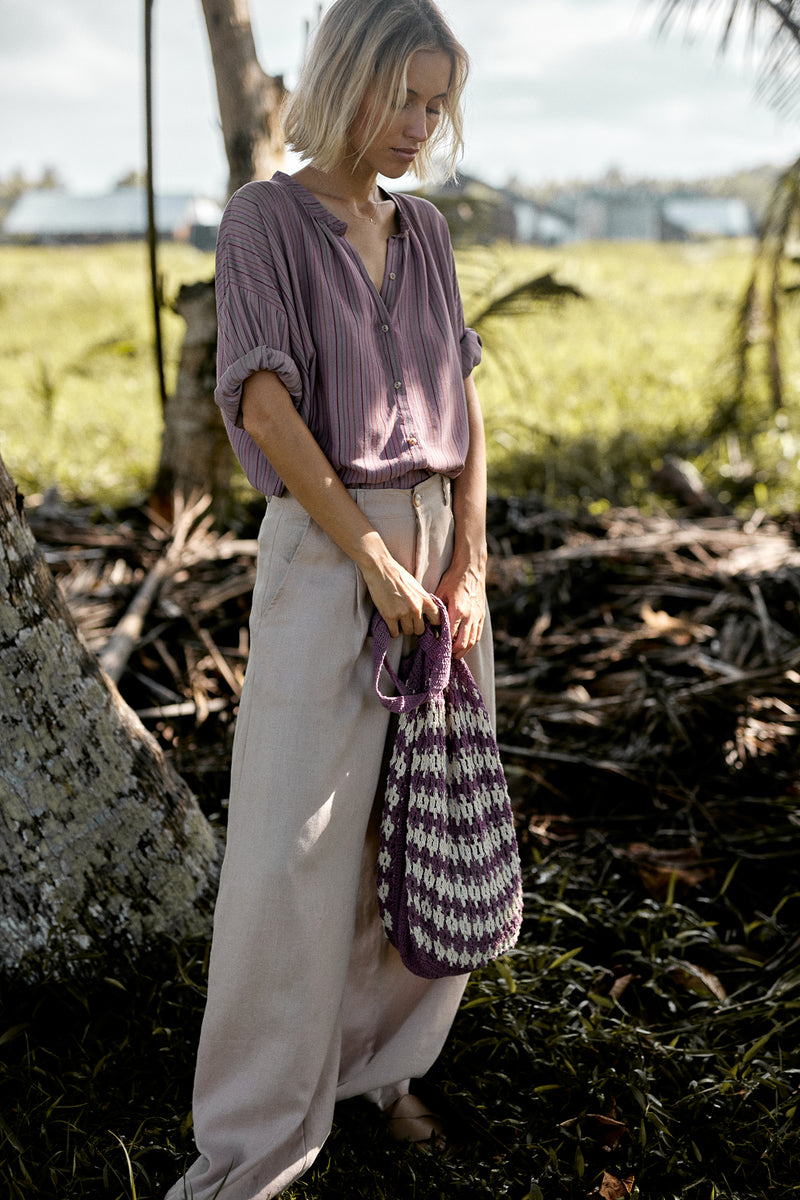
(410, 1121)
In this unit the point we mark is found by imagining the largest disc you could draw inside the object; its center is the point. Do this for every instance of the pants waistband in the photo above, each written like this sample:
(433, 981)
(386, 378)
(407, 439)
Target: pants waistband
(434, 489)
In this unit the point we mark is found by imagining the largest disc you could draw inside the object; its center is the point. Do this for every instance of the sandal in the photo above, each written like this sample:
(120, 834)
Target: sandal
(410, 1121)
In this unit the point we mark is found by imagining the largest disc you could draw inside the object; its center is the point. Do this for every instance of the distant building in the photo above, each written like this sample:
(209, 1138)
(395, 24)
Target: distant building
(479, 213)
(636, 212)
(476, 212)
(55, 216)
(629, 214)
(540, 224)
(706, 216)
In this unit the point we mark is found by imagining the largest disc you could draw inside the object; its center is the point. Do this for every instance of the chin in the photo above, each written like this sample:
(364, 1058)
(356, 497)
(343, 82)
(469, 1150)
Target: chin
(396, 170)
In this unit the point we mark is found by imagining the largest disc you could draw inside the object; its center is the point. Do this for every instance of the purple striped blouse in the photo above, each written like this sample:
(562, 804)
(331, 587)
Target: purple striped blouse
(376, 376)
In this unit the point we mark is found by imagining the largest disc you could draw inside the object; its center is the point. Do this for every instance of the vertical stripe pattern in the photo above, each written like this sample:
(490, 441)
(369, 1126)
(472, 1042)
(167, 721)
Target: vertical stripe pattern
(376, 375)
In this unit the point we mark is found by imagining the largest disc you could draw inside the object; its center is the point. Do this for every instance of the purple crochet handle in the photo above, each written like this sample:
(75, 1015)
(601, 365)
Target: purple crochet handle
(430, 663)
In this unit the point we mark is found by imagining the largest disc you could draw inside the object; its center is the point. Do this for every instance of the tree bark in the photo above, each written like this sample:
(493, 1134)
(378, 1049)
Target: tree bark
(195, 452)
(102, 845)
(194, 449)
(249, 99)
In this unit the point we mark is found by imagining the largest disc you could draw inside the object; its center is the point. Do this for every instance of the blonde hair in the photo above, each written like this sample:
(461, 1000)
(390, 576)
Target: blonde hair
(363, 42)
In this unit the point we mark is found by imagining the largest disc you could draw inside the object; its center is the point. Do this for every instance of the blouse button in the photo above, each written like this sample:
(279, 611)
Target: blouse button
(398, 383)
(412, 441)
(392, 275)
(384, 328)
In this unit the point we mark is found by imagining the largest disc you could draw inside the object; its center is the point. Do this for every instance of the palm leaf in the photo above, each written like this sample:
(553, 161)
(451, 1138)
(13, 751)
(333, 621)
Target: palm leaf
(504, 300)
(777, 20)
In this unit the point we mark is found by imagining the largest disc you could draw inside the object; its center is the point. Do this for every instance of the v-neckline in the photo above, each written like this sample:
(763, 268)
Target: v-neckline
(317, 209)
(363, 266)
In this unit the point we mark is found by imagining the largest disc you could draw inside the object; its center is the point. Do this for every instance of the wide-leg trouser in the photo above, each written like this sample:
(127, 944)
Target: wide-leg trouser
(307, 1000)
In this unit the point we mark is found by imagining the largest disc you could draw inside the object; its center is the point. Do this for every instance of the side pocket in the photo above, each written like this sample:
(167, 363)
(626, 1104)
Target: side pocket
(281, 535)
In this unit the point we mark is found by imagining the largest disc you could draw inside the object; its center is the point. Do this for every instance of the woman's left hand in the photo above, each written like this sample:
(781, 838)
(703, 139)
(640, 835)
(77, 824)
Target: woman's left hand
(464, 594)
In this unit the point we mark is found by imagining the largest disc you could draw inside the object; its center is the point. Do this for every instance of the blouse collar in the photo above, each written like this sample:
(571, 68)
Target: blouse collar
(316, 209)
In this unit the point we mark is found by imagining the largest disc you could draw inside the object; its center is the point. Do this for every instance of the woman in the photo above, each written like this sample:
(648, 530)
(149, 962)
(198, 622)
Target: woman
(344, 381)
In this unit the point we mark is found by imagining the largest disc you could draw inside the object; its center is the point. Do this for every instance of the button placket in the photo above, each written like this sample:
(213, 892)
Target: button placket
(388, 299)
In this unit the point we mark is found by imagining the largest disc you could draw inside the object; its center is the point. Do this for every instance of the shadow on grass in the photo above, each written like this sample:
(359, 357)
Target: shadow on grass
(628, 1037)
(619, 471)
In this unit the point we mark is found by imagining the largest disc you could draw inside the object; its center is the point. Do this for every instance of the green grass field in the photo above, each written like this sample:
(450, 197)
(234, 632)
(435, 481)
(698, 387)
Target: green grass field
(79, 404)
(602, 1057)
(582, 396)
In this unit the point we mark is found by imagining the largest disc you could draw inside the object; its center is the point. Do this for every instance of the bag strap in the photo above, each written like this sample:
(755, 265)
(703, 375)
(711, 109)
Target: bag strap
(430, 665)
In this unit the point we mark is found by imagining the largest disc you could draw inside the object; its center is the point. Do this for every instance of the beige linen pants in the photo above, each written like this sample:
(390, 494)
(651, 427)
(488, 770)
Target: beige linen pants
(308, 1003)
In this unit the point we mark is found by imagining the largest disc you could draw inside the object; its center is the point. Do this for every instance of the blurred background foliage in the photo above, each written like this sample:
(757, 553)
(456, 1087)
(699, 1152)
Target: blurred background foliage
(585, 390)
(639, 1041)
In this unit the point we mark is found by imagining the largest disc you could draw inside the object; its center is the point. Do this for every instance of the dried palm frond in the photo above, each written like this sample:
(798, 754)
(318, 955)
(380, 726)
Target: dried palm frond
(772, 27)
(503, 299)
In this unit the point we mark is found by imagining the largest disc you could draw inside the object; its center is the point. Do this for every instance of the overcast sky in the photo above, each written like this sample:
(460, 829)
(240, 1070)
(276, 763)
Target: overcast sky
(560, 89)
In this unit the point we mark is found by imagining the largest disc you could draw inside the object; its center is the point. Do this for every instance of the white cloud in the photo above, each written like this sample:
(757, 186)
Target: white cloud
(82, 66)
(535, 40)
(559, 87)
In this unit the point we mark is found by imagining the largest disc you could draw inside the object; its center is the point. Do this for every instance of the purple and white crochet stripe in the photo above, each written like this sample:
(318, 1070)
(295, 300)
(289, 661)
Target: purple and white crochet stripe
(449, 885)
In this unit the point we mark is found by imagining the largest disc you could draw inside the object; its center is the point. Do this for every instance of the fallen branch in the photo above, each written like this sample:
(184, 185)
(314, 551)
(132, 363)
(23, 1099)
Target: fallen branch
(123, 641)
(117, 651)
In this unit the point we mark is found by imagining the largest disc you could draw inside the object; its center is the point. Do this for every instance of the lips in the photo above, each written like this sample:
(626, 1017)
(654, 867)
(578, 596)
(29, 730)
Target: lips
(408, 155)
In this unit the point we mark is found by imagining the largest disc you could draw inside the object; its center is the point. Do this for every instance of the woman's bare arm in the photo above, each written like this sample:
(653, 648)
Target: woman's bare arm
(271, 419)
(463, 584)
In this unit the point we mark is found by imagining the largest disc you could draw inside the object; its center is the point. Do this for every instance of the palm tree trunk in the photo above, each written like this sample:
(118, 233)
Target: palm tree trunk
(194, 451)
(102, 845)
(249, 99)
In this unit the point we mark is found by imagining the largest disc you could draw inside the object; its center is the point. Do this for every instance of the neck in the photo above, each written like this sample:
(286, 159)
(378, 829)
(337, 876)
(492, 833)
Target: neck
(354, 187)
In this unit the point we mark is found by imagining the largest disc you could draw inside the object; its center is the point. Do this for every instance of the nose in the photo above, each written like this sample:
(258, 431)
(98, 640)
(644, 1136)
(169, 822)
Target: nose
(416, 124)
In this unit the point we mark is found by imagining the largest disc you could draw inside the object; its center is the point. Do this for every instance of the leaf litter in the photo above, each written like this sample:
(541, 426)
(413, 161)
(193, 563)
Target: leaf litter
(642, 1038)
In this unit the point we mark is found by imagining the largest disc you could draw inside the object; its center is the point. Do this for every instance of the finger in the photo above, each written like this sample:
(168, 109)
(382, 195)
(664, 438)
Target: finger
(411, 625)
(469, 633)
(461, 644)
(459, 632)
(431, 611)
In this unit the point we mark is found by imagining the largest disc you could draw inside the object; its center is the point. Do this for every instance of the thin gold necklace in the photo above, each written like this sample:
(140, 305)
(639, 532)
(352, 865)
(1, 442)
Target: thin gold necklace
(375, 204)
(361, 216)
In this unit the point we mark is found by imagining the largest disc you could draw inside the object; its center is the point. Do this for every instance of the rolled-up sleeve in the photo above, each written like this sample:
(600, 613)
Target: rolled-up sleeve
(469, 340)
(252, 337)
(471, 351)
(253, 328)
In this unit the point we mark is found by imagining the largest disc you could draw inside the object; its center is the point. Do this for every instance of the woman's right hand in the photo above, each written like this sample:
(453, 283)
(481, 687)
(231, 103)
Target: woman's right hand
(271, 419)
(400, 599)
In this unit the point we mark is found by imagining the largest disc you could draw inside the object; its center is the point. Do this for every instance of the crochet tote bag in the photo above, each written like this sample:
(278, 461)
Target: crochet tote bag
(449, 887)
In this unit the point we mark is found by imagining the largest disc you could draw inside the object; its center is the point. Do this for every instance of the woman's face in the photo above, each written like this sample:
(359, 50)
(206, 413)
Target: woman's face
(393, 149)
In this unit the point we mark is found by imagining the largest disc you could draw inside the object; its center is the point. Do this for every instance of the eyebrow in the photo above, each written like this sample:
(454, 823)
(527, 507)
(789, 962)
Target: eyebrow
(441, 96)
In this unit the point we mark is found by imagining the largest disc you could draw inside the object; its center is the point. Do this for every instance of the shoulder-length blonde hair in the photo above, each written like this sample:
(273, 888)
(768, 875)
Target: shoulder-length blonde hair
(363, 42)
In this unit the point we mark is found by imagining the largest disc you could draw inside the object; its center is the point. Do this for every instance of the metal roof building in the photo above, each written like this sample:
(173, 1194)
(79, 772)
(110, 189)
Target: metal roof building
(121, 215)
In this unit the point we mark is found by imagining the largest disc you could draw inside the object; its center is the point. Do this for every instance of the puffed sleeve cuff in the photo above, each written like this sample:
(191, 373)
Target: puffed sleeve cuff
(228, 394)
(471, 352)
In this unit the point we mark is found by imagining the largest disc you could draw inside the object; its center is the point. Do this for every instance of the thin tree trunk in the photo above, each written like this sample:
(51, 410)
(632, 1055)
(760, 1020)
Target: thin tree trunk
(102, 845)
(195, 452)
(249, 99)
(152, 233)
